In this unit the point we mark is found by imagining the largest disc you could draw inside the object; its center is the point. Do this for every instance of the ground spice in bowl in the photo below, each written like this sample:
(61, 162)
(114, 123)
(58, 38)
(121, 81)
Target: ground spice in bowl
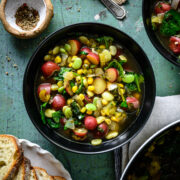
(26, 18)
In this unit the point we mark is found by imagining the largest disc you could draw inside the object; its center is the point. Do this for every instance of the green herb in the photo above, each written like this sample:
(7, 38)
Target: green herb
(80, 87)
(72, 83)
(100, 129)
(131, 87)
(116, 64)
(75, 108)
(52, 124)
(61, 72)
(57, 116)
(107, 40)
(42, 107)
(139, 79)
(83, 53)
(124, 104)
(171, 23)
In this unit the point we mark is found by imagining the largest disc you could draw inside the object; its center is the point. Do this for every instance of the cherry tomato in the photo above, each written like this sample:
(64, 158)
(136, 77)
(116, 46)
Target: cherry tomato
(90, 122)
(162, 7)
(133, 101)
(175, 44)
(58, 102)
(102, 130)
(81, 132)
(46, 86)
(63, 121)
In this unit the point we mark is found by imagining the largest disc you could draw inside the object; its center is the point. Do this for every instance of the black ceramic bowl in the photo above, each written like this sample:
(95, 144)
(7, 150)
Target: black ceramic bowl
(138, 156)
(30, 89)
(147, 9)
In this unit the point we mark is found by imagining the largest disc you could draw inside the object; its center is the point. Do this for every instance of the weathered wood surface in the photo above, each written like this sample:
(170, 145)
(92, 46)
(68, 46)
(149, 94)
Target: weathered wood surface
(13, 117)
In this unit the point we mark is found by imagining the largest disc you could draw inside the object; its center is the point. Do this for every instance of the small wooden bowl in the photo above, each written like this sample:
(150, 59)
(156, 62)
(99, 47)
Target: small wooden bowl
(8, 10)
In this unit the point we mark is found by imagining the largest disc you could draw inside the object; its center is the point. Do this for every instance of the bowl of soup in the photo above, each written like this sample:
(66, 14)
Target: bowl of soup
(158, 158)
(89, 88)
(162, 24)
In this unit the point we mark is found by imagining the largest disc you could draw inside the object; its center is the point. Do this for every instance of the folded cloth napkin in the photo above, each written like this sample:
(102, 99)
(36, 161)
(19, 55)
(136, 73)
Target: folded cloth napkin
(166, 110)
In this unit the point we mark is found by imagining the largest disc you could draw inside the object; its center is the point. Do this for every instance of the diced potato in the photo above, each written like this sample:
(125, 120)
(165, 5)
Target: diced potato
(100, 119)
(113, 50)
(96, 142)
(107, 96)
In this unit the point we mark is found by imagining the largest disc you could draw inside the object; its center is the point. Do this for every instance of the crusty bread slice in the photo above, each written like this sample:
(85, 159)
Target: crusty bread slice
(24, 170)
(33, 174)
(42, 174)
(11, 156)
(58, 178)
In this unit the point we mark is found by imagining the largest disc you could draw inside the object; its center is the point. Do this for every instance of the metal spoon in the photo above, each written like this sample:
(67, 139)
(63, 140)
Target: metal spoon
(118, 11)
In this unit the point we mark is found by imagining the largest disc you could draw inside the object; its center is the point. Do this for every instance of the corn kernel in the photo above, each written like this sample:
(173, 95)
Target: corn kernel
(89, 112)
(103, 113)
(104, 102)
(83, 110)
(81, 96)
(108, 121)
(85, 82)
(102, 47)
(80, 71)
(121, 85)
(60, 83)
(70, 64)
(86, 61)
(78, 79)
(69, 101)
(43, 96)
(84, 71)
(54, 87)
(90, 94)
(74, 89)
(113, 118)
(118, 114)
(91, 88)
(90, 80)
(57, 59)
(122, 91)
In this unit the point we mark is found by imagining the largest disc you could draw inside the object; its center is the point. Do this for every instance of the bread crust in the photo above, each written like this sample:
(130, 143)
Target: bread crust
(34, 172)
(58, 178)
(13, 170)
(41, 169)
(27, 168)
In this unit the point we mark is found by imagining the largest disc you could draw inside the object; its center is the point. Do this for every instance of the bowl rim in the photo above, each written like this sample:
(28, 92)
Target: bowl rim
(148, 141)
(162, 50)
(62, 146)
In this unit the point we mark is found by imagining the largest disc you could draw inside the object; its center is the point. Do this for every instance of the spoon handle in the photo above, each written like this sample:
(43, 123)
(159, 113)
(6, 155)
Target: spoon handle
(118, 11)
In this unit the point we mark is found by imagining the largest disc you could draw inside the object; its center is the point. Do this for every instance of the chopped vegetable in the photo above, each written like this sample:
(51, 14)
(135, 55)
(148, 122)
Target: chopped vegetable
(42, 107)
(107, 40)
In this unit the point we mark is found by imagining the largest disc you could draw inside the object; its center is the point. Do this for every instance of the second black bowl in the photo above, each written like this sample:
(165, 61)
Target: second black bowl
(36, 61)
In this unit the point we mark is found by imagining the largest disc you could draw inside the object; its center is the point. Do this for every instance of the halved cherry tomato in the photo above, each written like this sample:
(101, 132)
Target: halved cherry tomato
(80, 132)
(175, 44)
(162, 7)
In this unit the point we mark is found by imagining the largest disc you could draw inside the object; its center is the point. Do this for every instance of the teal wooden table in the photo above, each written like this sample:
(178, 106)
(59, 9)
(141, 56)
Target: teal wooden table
(15, 54)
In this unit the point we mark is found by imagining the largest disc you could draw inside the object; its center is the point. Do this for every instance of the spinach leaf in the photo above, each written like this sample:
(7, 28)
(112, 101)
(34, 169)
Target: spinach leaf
(61, 72)
(139, 79)
(57, 116)
(72, 83)
(42, 107)
(124, 104)
(80, 87)
(107, 40)
(52, 124)
(116, 64)
(76, 111)
(131, 87)
(171, 23)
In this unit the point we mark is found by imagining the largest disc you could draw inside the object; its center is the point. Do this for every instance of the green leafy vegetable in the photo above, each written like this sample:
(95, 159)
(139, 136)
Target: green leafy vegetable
(76, 111)
(124, 104)
(83, 53)
(80, 87)
(52, 124)
(72, 83)
(139, 79)
(42, 107)
(171, 23)
(107, 40)
(131, 87)
(57, 116)
(116, 64)
(61, 72)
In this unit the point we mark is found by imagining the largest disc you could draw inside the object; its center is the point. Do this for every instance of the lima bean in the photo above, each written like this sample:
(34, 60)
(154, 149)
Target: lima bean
(77, 63)
(128, 78)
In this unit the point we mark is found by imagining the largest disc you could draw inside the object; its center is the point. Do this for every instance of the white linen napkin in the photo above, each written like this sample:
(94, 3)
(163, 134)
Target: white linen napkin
(165, 111)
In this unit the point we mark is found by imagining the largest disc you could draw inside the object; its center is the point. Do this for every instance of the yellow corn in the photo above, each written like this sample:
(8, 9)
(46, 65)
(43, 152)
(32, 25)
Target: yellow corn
(90, 80)
(122, 91)
(83, 110)
(113, 118)
(57, 59)
(78, 79)
(121, 85)
(102, 47)
(81, 96)
(60, 83)
(74, 89)
(86, 61)
(85, 82)
(84, 71)
(108, 121)
(50, 51)
(43, 96)
(91, 88)
(89, 112)
(70, 65)
(54, 87)
(69, 101)
(118, 114)
(103, 113)
(80, 71)
(104, 102)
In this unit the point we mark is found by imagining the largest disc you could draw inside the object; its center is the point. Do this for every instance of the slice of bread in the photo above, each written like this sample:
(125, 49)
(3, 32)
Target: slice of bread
(33, 174)
(42, 174)
(58, 178)
(24, 170)
(11, 156)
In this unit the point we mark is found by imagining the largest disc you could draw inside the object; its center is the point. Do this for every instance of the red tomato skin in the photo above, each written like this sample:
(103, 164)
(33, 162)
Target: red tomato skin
(102, 130)
(80, 134)
(162, 7)
(175, 44)
(90, 122)
(46, 86)
(58, 102)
